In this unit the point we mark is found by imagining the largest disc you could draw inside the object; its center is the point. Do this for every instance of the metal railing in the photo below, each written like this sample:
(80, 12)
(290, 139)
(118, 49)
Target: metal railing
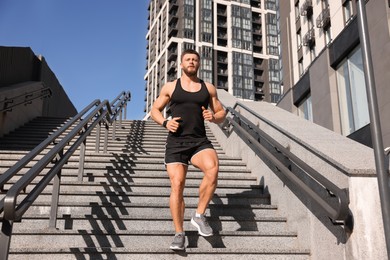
(256, 137)
(8, 104)
(75, 133)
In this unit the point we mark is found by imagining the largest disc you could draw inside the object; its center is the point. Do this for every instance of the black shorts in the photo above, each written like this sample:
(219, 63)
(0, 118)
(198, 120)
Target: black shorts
(182, 152)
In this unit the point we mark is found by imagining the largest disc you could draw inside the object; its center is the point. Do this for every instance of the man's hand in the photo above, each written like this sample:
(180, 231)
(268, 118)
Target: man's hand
(173, 124)
(207, 115)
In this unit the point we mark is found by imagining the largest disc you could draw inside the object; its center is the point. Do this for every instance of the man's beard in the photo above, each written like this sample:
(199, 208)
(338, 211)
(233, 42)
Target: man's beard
(191, 73)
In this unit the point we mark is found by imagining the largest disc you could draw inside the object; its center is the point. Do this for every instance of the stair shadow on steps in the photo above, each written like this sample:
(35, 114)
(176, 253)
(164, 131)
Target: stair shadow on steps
(134, 141)
(215, 240)
(244, 216)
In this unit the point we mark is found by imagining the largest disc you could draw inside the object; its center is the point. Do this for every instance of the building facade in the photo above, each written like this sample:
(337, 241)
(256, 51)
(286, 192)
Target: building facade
(323, 75)
(238, 42)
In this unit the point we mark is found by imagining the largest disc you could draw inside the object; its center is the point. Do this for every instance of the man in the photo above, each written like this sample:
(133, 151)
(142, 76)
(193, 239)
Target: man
(189, 99)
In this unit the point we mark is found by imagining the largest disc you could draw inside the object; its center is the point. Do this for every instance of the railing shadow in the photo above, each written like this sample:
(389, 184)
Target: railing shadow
(135, 138)
(107, 215)
(238, 207)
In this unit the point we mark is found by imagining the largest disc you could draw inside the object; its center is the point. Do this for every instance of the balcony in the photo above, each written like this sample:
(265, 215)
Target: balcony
(257, 43)
(173, 31)
(173, 6)
(221, 10)
(172, 67)
(173, 19)
(258, 78)
(222, 84)
(172, 54)
(309, 39)
(222, 72)
(221, 23)
(323, 20)
(256, 30)
(256, 18)
(222, 60)
(256, 3)
(307, 8)
(222, 35)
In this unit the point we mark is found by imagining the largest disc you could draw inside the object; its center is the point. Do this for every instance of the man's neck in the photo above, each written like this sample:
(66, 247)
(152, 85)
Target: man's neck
(187, 78)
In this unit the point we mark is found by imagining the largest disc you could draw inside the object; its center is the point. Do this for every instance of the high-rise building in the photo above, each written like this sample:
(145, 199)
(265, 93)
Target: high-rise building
(323, 74)
(238, 42)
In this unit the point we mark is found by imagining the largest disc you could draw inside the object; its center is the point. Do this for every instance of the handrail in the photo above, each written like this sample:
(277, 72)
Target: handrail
(8, 103)
(337, 213)
(100, 112)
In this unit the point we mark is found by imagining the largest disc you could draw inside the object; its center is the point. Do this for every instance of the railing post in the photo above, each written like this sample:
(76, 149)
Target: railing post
(125, 110)
(97, 144)
(82, 161)
(5, 238)
(105, 139)
(55, 197)
(114, 129)
(120, 118)
(376, 133)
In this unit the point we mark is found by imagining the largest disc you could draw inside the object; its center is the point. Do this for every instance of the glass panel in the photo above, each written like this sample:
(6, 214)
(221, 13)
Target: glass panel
(358, 90)
(305, 109)
(352, 94)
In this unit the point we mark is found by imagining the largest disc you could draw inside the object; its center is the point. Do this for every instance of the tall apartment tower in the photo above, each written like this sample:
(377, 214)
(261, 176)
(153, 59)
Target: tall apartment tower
(323, 74)
(238, 42)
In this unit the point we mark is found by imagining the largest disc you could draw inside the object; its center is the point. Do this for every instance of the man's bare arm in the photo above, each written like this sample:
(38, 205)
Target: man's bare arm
(160, 103)
(215, 105)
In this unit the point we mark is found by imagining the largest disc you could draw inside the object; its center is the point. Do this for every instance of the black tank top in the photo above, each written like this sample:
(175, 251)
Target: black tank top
(188, 106)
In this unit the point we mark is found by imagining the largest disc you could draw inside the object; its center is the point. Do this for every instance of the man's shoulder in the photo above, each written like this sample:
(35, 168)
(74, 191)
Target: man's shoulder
(169, 87)
(210, 86)
(170, 84)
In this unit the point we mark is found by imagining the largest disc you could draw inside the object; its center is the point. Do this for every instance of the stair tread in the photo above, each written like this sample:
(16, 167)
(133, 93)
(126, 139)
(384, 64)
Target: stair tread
(163, 250)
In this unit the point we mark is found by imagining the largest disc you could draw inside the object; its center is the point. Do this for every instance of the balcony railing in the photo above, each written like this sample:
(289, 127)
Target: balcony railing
(309, 38)
(307, 8)
(323, 20)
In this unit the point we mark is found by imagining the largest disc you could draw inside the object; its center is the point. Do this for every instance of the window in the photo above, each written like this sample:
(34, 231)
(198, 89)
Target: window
(352, 94)
(207, 4)
(348, 12)
(299, 39)
(300, 67)
(328, 37)
(207, 27)
(187, 46)
(297, 14)
(305, 109)
(188, 24)
(271, 5)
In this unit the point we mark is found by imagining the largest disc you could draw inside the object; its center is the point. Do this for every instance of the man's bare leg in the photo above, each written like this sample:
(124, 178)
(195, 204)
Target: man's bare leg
(207, 161)
(177, 175)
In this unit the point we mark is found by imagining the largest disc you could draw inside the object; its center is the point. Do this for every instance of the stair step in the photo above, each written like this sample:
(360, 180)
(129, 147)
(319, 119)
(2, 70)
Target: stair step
(124, 253)
(164, 223)
(142, 197)
(153, 239)
(148, 210)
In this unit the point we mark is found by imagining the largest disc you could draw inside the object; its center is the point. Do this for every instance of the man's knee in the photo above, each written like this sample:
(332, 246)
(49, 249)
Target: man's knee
(210, 165)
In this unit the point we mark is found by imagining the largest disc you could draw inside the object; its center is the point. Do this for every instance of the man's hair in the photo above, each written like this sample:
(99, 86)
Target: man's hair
(189, 51)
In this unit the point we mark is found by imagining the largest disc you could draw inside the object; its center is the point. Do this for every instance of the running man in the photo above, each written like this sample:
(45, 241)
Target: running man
(189, 100)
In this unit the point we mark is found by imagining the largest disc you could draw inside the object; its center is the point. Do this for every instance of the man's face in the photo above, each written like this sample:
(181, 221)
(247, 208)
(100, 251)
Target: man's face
(190, 64)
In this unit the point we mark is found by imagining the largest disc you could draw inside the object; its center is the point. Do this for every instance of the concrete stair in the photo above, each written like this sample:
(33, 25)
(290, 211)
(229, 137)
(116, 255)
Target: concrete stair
(121, 209)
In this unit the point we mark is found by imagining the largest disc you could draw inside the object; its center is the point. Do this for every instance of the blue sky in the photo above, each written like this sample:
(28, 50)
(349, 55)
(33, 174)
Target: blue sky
(96, 48)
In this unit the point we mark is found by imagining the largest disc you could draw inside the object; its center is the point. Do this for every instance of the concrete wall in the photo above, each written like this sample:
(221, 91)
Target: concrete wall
(10, 120)
(21, 71)
(346, 163)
